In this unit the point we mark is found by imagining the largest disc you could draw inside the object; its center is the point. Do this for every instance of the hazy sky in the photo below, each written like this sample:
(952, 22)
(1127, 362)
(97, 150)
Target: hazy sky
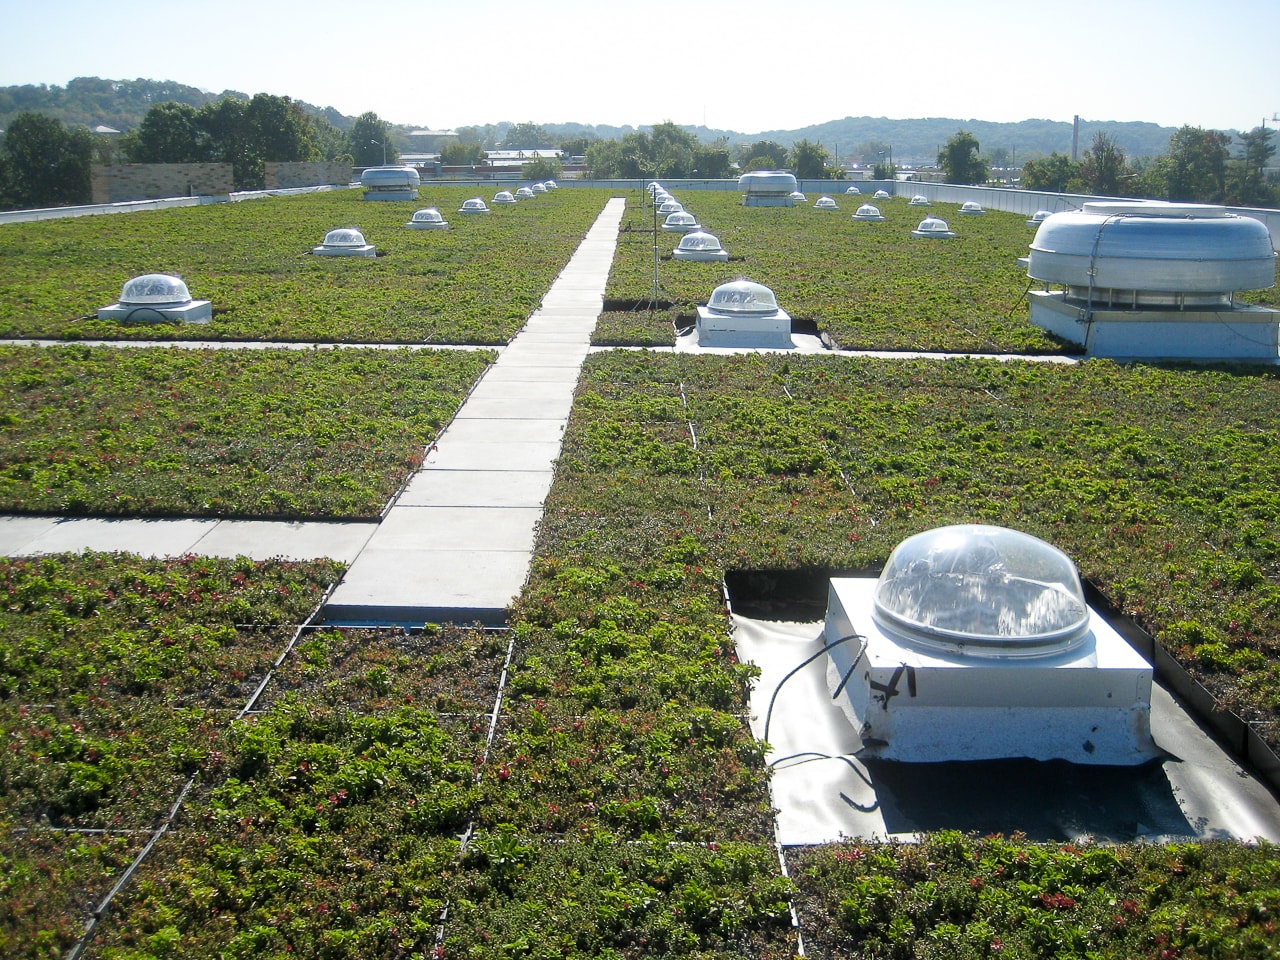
(747, 66)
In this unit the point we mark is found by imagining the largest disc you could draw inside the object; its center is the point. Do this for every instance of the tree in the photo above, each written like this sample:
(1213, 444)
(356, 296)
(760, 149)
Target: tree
(604, 159)
(368, 137)
(809, 161)
(280, 129)
(884, 171)
(526, 136)
(1247, 183)
(1056, 172)
(959, 160)
(1196, 168)
(543, 168)
(762, 155)
(170, 133)
(1103, 168)
(44, 164)
(575, 146)
(667, 151)
(712, 160)
(462, 155)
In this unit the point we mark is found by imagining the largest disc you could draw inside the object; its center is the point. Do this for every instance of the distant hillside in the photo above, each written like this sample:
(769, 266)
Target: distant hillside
(123, 103)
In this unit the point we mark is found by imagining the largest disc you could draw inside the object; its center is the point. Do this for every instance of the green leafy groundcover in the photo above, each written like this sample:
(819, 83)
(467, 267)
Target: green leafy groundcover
(476, 282)
(1156, 480)
(871, 286)
(964, 897)
(203, 432)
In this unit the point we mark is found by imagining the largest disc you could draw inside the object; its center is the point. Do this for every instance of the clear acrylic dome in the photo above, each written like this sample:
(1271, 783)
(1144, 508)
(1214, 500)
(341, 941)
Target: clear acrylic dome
(429, 215)
(986, 591)
(152, 289)
(743, 297)
(933, 227)
(539, 188)
(971, 206)
(671, 206)
(919, 200)
(853, 190)
(551, 185)
(798, 197)
(504, 196)
(868, 211)
(881, 195)
(345, 237)
(700, 241)
(825, 203)
(681, 218)
(524, 193)
(474, 205)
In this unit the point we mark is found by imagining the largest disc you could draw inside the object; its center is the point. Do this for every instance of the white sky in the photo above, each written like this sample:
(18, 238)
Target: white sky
(747, 66)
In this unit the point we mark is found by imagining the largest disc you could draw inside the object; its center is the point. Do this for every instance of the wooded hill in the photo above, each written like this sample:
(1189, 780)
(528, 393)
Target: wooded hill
(123, 103)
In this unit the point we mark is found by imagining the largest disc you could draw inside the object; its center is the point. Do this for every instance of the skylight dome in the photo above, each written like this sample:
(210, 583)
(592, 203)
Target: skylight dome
(344, 242)
(671, 206)
(474, 205)
(504, 196)
(743, 297)
(1039, 217)
(681, 222)
(700, 246)
(798, 197)
(971, 208)
(933, 227)
(919, 200)
(880, 195)
(825, 203)
(539, 188)
(853, 190)
(524, 193)
(428, 219)
(157, 298)
(976, 590)
(154, 289)
(870, 212)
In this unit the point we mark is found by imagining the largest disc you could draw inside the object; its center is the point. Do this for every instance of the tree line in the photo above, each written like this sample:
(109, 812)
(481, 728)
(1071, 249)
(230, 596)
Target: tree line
(44, 162)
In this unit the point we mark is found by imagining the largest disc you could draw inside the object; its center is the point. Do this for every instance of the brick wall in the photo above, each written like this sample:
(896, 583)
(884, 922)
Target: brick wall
(115, 182)
(282, 176)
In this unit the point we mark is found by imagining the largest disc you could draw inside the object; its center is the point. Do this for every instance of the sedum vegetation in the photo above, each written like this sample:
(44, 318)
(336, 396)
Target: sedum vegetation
(585, 784)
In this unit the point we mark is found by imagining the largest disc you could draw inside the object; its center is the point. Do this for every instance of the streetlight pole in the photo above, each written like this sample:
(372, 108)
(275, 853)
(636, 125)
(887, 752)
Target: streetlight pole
(384, 150)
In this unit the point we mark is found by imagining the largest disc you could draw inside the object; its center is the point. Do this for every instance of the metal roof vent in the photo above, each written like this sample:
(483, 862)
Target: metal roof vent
(700, 246)
(1155, 280)
(504, 196)
(880, 195)
(743, 313)
(157, 298)
(825, 203)
(1153, 254)
(869, 212)
(524, 193)
(933, 227)
(919, 200)
(971, 208)
(428, 219)
(344, 242)
(681, 222)
(767, 188)
(474, 205)
(976, 643)
(390, 183)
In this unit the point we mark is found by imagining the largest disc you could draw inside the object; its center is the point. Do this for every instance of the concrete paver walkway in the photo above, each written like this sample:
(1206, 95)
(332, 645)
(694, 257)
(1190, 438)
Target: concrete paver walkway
(457, 544)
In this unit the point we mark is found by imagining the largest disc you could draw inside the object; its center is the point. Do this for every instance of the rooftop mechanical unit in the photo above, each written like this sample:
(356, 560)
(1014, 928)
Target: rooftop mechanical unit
(767, 188)
(390, 183)
(1155, 280)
